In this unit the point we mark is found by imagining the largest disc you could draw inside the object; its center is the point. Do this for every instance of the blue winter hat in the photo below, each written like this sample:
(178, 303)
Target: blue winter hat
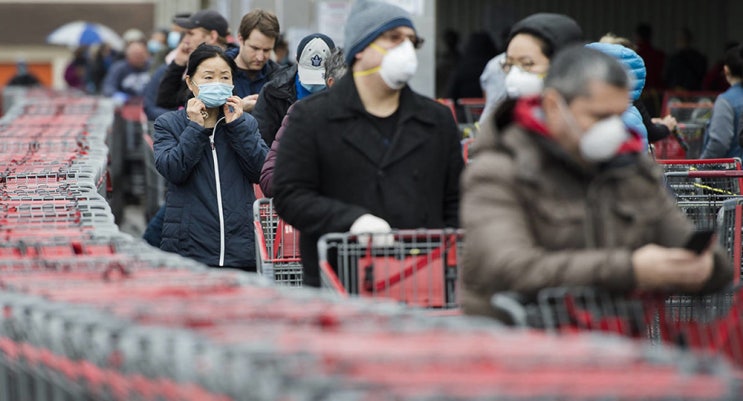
(369, 19)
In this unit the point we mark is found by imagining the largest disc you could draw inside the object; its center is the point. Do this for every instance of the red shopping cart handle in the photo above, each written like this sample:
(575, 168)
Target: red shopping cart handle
(706, 173)
(698, 161)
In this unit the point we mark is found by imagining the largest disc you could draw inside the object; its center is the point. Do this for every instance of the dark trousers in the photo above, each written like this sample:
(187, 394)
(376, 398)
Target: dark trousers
(153, 233)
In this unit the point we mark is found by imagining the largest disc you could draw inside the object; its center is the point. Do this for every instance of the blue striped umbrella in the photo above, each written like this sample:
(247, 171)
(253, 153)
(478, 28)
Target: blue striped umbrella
(81, 33)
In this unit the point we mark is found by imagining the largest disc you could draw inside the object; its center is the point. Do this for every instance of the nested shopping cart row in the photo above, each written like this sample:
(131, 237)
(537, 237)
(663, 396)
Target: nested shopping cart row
(48, 159)
(402, 355)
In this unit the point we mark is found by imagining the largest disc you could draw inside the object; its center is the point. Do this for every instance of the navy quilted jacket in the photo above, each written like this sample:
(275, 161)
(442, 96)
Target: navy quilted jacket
(209, 216)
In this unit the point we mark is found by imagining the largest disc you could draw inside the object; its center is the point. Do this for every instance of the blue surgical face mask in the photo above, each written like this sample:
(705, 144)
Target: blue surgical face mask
(173, 39)
(313, 88)
(154, 46)
(214, 94)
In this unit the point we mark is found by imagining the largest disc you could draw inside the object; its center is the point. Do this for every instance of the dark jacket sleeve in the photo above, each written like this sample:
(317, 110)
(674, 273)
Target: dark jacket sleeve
(454, 171)
(721, 132)
(177, 153)
(245, 139)
(656, 132)
(297, 179)
(267, 116)
(111, 80)
(150, 95)
(169, 93)
(268, 165)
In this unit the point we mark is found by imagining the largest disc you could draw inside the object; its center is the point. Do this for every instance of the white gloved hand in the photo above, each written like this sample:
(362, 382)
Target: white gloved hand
(370, 224)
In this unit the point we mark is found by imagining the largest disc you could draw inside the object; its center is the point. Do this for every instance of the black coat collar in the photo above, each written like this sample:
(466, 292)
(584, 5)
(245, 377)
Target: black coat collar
(412, 107)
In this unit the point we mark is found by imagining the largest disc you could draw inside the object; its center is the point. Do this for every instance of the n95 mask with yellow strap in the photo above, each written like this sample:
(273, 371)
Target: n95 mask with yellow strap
(399, 64)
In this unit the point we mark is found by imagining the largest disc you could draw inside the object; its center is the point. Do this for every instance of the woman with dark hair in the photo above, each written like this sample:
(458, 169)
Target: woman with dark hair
(530, 45)
(210, 153)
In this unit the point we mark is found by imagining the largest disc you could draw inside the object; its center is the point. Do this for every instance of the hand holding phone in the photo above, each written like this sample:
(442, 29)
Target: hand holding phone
(700, 241)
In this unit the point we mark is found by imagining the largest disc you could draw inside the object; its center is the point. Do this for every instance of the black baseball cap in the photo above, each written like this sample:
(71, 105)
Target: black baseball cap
(207, 19)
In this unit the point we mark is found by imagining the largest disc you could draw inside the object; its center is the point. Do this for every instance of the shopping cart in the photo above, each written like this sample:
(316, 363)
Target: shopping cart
(675, 165)
(729, 232)
(711, 324)
(277, 245)
(473, 108)
(692, 110)
(700, 193)
(466, 146)
(419, 269)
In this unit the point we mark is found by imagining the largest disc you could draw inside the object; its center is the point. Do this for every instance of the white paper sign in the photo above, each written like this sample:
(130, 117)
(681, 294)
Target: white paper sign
(331, 19)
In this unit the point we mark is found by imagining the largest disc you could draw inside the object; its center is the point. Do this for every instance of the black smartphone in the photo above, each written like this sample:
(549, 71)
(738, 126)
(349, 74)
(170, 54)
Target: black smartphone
(699, 240)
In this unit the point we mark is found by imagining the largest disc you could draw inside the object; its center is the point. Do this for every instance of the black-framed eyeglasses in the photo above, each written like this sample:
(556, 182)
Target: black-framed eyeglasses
(396, 38)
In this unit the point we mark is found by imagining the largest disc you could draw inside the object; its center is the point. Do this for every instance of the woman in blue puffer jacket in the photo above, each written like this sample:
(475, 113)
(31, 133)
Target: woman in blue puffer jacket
(634, 63)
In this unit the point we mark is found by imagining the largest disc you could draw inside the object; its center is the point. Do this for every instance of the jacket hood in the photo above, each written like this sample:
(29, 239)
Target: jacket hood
(232, 50)
(631, 60)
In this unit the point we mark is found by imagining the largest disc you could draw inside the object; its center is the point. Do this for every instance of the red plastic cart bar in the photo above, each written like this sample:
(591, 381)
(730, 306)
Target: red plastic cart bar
(692, 162)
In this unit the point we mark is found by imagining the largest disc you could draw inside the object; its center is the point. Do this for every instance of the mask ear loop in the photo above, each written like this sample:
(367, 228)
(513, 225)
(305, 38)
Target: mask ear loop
(374, 70)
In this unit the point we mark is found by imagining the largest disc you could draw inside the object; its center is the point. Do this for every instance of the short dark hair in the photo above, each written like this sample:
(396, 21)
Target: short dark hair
(575, 67)
(281, 43)
(205, 52)
(264, 21)
(547, 49)
(335, 65)
(734, 61)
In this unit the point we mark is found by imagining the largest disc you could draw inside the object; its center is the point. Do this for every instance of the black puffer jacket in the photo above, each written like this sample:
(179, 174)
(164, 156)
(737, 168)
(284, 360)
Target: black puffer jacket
(275, 99)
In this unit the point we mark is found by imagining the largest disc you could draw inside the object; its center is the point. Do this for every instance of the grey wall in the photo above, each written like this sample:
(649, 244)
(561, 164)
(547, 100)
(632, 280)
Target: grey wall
(713, 22)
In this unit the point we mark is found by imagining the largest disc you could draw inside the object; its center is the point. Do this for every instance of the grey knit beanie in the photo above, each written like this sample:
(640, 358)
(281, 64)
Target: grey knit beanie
(369, 19)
